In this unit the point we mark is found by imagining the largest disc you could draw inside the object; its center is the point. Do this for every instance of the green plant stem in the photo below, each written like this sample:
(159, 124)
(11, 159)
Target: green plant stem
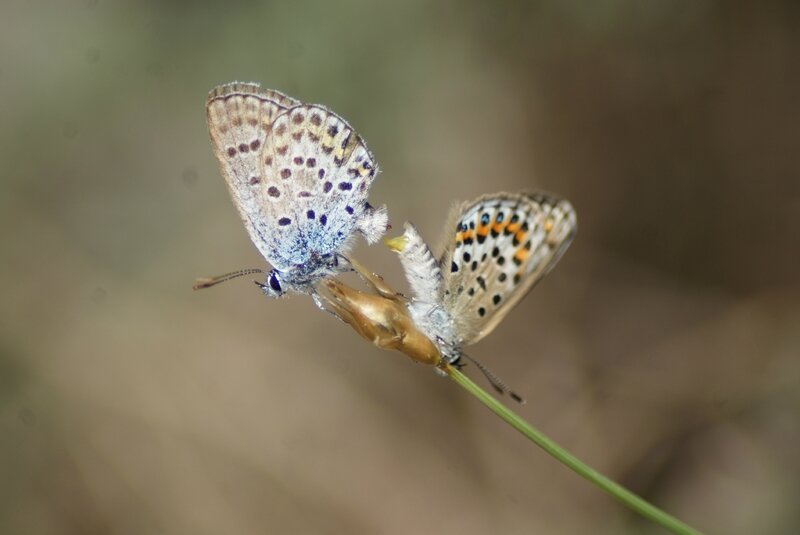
(619, 492)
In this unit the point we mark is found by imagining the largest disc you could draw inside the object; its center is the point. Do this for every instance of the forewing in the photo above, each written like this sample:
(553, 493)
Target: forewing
(501, 247)
(240, 117)
(317, 177)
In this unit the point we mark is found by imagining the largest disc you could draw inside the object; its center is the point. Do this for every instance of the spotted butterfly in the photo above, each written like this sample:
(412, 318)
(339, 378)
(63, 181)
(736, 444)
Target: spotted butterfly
(497, 248)
(299, 176)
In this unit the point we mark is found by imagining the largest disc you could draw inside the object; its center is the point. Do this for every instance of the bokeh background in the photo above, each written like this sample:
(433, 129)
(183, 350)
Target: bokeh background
(663, 349)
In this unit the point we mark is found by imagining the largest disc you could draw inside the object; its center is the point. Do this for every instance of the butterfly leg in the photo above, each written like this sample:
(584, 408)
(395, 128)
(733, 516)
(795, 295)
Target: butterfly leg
(374, 281)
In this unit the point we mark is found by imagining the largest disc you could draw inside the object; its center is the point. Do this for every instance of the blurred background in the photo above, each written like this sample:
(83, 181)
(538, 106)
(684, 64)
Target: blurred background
(663, 349)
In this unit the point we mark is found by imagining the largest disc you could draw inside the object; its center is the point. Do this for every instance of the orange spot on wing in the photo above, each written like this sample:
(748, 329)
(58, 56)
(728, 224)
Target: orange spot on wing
(497, 228)
(520, 236)
(548, 225)
(521, 255)
(483, 230)
(513, 227)
(461, 236)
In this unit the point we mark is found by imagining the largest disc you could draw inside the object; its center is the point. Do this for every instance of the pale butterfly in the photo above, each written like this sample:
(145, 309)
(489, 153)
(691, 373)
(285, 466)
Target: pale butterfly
(299, 176)
(497, 248)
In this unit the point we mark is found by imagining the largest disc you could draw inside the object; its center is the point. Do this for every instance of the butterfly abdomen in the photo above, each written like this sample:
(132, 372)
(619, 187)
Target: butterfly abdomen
(422, 270)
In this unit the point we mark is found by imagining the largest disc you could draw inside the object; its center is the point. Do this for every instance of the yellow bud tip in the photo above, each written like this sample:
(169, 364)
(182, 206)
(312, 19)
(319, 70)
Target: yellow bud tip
(397, 244)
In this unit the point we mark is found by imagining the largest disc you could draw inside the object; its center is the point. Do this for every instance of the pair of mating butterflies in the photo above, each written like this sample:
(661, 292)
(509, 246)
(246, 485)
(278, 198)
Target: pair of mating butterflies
(300, 176)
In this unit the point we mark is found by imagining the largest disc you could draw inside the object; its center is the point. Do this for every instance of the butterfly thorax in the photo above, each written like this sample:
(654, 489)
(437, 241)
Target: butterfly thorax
(433, 320)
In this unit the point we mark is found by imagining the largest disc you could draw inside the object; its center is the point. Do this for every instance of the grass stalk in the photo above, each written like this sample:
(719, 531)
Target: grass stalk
(628, 498)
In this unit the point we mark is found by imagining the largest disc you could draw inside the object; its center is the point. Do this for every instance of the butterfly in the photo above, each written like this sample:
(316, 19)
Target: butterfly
(497, 248)
(299, 176)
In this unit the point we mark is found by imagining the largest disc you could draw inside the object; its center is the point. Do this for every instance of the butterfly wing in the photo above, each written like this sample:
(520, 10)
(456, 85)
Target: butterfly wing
(298, 174)
(503, 245)
(240, 117)
(317, 176)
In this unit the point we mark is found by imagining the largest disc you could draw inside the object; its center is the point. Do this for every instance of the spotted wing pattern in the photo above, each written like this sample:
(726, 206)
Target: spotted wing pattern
(240, 117)
(317, 174)
(298, 173)
(502, 246)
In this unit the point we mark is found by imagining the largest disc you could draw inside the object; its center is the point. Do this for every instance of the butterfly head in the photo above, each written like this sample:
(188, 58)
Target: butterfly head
(273, 286)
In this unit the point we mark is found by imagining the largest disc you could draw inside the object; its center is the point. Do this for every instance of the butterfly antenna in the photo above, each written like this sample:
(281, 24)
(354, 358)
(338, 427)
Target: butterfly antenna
(498, 384)
(208, 282)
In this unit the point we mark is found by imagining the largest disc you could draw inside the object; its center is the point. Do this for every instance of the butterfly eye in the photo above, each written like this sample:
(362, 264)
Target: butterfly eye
(274, 283)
